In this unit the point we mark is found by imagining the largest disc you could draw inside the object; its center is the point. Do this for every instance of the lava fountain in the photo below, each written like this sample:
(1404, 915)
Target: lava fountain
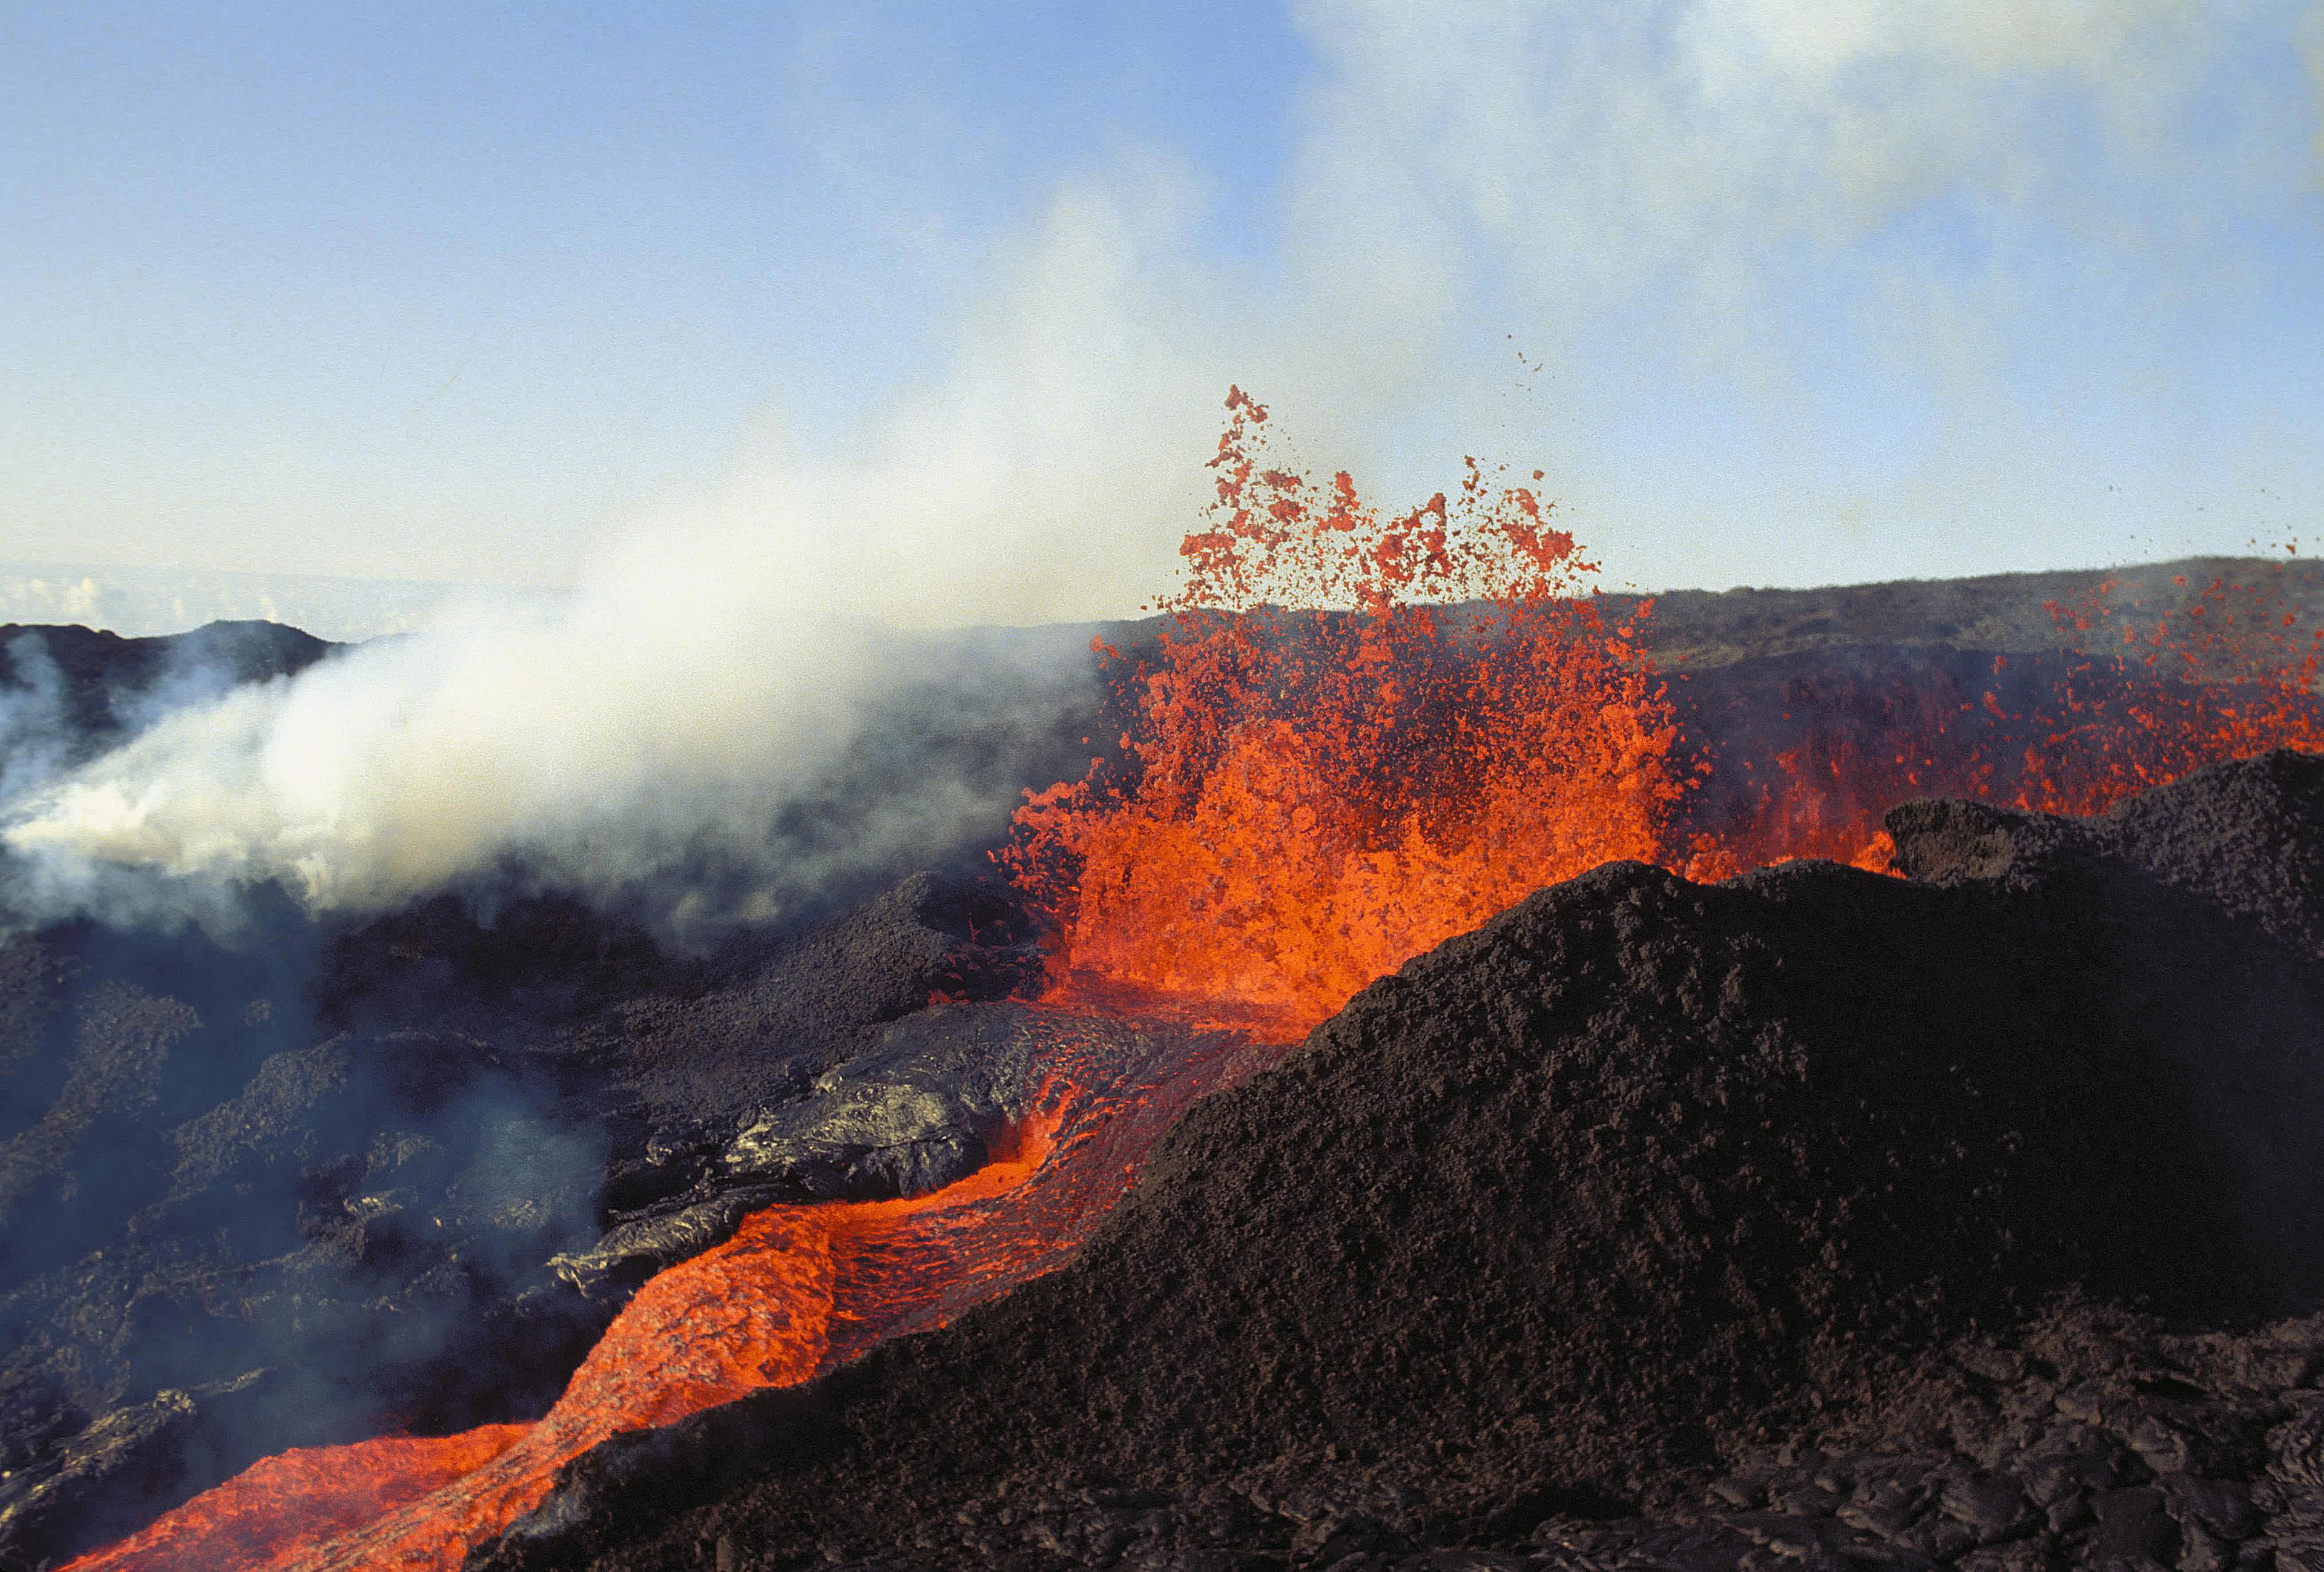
(1361, 736)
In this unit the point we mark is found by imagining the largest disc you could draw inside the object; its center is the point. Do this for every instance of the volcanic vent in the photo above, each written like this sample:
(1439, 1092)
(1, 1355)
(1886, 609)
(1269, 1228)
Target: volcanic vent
(1638, 1181)
(1356, 736)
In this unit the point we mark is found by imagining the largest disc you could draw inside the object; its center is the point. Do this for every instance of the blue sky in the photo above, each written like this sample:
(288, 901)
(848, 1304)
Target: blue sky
(927, 310)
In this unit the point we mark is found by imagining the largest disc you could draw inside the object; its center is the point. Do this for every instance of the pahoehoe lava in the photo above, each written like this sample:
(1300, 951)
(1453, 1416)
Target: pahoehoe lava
(1912, 1219)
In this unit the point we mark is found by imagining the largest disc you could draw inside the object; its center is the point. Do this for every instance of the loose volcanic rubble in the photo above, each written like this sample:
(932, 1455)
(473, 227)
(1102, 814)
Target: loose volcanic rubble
(1816, 1217)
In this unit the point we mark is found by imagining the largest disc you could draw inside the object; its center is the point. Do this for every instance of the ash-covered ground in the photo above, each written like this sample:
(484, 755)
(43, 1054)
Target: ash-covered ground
(1814, 1214)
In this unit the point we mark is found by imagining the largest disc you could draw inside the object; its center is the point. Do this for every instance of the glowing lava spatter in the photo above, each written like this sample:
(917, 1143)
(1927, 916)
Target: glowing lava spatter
(2231, 674)
(1361, 736)
(2135, 698)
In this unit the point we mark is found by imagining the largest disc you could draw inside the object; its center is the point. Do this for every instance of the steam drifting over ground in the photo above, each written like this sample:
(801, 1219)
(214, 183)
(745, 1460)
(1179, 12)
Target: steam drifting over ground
(667, 744)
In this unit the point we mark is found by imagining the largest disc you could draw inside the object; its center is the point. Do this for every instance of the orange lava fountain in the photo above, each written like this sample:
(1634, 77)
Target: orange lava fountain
(1362, 737)
(797, 1291)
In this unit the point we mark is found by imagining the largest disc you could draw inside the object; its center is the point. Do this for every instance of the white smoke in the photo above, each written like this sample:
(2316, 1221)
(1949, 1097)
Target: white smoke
(1634, 192)
(599, 744)
(716, 663)
(34, 731)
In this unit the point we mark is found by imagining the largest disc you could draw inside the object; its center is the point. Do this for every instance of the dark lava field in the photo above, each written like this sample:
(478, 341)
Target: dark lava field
(1972, 1217)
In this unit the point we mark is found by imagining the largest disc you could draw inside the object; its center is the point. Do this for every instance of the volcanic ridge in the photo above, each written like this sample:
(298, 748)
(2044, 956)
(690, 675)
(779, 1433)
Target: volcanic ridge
(1812, 1216)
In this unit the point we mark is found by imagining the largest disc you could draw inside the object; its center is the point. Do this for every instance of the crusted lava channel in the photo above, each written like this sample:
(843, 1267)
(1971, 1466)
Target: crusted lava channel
(1814, 1216)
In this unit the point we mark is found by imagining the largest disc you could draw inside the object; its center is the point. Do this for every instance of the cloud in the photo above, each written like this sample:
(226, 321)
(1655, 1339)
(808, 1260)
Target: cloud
(1595, 151)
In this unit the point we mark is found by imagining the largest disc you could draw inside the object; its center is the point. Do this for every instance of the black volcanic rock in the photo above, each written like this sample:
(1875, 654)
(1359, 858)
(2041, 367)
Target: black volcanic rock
(1589, 1208)
(2247, 839)
(100, 687)
(912, 1115)
(796, 1074)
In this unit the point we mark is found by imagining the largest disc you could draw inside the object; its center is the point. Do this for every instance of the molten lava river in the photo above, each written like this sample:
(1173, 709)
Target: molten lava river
(1356, 736)
(798, 1290)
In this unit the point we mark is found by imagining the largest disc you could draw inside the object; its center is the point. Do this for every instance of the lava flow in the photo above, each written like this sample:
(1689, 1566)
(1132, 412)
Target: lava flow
(798, 1290)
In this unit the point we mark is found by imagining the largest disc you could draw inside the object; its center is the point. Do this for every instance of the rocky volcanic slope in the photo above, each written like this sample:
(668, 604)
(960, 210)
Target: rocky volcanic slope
(2002, 613)
(334, 1177)
(1816, 1216)
(73, 690)
(230, 1223)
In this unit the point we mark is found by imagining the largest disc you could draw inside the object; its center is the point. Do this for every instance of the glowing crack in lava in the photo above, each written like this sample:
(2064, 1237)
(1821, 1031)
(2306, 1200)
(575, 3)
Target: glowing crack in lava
(1362, 736)
(2135, 697)
(797, 1291)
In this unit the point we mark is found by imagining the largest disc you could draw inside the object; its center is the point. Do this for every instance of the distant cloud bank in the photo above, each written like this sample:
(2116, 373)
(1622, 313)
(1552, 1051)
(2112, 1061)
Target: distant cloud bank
(142, 602)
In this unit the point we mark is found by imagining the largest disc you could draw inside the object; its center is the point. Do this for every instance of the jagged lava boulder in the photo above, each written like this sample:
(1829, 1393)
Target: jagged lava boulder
(1584, 1206)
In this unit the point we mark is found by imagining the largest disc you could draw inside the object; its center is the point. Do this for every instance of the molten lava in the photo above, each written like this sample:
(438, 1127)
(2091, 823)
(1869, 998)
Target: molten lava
(1362, 737)
(798, 1290)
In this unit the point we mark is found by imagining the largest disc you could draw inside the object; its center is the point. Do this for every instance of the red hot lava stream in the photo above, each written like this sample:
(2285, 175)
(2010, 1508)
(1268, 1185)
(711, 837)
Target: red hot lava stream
(797, 1291)
(1303, 798)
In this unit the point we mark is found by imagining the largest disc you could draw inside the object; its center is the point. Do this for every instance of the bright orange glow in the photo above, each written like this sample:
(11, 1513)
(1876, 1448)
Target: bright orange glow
(797, 1291)
(1362, 736)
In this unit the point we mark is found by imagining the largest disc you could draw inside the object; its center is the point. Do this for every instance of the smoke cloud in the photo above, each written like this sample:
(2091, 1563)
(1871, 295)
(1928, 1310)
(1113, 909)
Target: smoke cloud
(1646, 244)
(640, 743)
(33, 727)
